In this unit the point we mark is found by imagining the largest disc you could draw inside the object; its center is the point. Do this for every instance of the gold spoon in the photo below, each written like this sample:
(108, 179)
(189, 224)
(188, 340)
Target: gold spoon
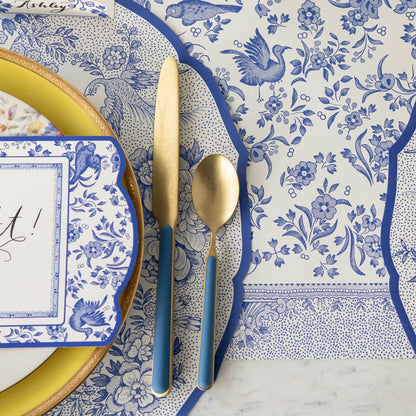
(215, 191)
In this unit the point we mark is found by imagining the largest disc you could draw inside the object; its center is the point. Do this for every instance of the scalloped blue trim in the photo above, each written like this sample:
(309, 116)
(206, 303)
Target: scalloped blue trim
(385, 227)
(134, 251)
(241, 171)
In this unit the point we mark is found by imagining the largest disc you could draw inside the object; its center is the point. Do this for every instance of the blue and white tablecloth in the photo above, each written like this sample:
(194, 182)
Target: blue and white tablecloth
(319, 93)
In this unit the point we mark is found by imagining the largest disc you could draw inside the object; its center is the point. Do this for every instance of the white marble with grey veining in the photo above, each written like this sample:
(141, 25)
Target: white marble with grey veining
(311, 387)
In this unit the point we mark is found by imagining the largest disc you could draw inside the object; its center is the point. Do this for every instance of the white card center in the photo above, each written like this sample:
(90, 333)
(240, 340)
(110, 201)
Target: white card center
(33, 239)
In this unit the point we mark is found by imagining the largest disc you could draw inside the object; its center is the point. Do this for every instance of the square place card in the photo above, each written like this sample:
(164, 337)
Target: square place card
(68, 240)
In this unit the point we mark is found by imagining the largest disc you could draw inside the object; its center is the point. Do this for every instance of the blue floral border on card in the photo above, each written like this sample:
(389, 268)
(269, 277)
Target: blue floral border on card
(53, 299)
(386, 225)
(206, 75)
(135, 249)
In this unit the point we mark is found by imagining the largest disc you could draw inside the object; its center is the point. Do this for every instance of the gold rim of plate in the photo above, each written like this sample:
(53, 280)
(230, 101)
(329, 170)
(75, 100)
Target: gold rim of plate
(73, 115)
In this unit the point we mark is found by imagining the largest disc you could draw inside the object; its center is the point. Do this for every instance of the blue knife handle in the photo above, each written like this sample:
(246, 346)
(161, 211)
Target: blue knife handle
(206, 350)
(162, 357)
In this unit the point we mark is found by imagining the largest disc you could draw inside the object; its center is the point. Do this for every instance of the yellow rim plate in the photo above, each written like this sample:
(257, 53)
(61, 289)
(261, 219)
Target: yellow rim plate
(67, 109)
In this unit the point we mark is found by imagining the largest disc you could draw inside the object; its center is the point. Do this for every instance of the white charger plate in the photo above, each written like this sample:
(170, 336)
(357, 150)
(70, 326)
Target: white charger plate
(17, 363)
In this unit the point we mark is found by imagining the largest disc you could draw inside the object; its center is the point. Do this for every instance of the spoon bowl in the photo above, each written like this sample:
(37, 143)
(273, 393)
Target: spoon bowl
(215, 191)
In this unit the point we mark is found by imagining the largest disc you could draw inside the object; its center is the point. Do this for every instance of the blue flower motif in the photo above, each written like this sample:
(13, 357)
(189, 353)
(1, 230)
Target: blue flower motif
(367, 7)
(245, 333)
(258, 151)
(318, 60)
(117, 281)
(73, 233)
(93, 249)
(309, 13)
(386, 82)
(141, 161)
(357, 17)
(142, 164)
(116, 161)
(223, 85)
(324, 207)
(190, 226)
(381, 152)
(131, 390)
(407, 4)
(3, 37)
(18, 48)
(150, 310)
(372, 246)
(33, 54)
(304, 172)
(273, 104)
(370, 223)
(138, 347)
(103, 281)
(353, 120)
(114, 57)
(55, 330)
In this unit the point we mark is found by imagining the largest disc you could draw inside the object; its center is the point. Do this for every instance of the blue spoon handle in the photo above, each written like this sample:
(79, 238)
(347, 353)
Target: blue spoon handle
(162, 357)
(206, 351)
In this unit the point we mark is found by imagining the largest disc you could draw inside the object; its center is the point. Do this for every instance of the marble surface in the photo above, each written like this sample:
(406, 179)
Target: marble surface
(311, 387)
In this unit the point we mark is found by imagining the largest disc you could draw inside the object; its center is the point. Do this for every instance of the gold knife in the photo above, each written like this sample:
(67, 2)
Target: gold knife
(165, 210)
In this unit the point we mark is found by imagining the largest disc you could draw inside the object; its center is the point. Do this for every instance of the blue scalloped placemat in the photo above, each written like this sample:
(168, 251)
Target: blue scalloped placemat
(319, 91)
(109, 61)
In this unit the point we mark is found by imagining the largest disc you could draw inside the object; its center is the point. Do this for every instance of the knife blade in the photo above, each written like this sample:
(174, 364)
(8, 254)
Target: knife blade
(165, 197)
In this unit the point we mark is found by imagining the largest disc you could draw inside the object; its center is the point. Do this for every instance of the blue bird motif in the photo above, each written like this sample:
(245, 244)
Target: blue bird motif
(87, 313)
(256, 65)
(123, 95)
(191, 11)
(85, 158)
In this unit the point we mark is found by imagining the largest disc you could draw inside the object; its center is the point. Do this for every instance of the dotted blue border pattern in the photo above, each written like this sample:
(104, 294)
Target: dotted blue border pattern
(386, 225)
(185, 58)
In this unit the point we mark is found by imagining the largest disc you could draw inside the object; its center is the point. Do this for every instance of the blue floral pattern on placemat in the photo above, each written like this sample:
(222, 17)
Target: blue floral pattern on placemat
(318, 321)
(109, 62)
(319, 92)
